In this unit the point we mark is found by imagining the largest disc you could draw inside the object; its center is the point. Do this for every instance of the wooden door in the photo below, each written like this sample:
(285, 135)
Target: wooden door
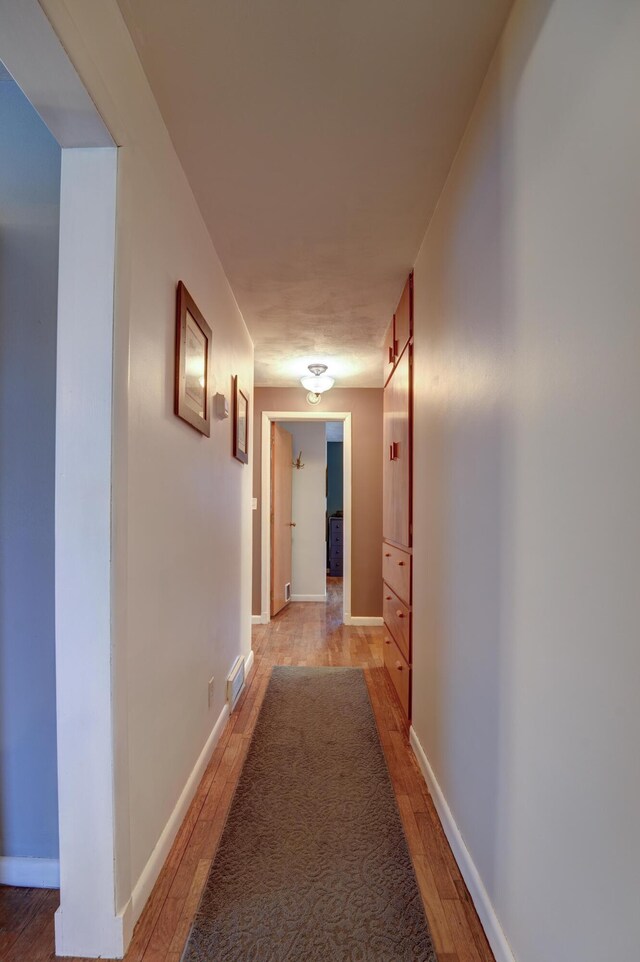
(396, 518)
(404, 316)
(281, 523)
(389, 350)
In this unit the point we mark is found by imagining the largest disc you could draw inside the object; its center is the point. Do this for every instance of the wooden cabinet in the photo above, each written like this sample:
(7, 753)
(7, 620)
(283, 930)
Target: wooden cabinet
(335, 547)
(399, 673)
(404, 317)
(396, 571)
(396, 519)
(397, 618)
(389, 351)
(397, 498)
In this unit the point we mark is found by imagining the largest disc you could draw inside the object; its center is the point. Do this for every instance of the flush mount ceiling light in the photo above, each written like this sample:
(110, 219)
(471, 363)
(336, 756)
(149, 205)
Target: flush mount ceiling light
(317, 382)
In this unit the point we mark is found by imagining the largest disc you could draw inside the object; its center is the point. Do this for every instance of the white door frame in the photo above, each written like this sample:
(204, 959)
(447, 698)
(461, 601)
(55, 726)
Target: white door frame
(88, 922)
(265, 567)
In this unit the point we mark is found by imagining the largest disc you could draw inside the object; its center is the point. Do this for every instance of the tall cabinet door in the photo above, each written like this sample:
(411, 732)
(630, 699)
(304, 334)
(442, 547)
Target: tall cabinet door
(404, 316)
(397, 454)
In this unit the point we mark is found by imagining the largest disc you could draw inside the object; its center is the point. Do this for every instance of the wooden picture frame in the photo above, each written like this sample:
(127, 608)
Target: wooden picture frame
(192, 363)
(240, 423)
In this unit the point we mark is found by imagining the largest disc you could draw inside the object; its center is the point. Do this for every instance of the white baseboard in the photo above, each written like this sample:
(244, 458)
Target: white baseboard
(35, 873)
(112, 932)
(262, 619)
(364, 621)
(142, 888)
(321, 598)
(480, 896)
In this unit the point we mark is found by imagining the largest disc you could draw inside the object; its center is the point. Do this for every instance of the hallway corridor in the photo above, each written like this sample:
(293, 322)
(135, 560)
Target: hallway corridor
(309, 634)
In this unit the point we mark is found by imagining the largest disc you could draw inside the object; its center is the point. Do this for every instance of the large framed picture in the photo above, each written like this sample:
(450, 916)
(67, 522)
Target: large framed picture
(193, 344)
(240, 423)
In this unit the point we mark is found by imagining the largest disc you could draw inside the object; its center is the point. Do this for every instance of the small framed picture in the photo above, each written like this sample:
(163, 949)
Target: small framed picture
(193, 344)
(240, 423)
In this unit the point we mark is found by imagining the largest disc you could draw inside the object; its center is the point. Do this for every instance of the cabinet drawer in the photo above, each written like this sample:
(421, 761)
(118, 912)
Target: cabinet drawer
(396, 571)
(399, 673)
(397, 619)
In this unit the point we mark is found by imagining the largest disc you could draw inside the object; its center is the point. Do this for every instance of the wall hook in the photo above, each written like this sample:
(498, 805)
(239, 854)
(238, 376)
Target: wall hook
(298, 462)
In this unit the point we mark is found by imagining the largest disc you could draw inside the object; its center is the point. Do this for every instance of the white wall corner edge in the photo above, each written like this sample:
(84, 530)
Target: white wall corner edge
(479, 895)
(142, 889)
(248, 665)
(33, 873)
(364, 621)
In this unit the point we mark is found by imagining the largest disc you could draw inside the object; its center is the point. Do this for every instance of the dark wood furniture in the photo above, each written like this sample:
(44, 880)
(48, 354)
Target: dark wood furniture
(335, 547)
(397, 498)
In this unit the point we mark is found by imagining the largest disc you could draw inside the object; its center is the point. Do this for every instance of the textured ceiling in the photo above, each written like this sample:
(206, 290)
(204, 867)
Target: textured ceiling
(316, 136)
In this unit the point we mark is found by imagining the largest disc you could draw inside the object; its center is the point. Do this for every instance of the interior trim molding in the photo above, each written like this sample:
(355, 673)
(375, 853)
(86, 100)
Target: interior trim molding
(248, 665)
(321, 598)
(142, 888)
(479, 895)
(256, 619)
(265, 501)
(26, 872)
(364, 621)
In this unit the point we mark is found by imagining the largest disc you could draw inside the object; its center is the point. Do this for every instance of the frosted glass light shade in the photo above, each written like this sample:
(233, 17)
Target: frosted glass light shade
(318, 383)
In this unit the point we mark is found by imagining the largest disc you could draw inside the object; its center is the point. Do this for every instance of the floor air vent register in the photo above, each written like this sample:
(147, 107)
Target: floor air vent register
(235, 682)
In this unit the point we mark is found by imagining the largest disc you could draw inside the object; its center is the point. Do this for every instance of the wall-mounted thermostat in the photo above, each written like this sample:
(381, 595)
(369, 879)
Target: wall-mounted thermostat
(221, 406)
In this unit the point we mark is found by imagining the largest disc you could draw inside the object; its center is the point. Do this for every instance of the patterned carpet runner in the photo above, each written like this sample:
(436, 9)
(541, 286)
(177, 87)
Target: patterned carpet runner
(313, 863)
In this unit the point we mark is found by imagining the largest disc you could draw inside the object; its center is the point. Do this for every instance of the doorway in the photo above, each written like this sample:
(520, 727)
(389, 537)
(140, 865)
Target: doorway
(29, 229)
(88, 922)
(296, 527)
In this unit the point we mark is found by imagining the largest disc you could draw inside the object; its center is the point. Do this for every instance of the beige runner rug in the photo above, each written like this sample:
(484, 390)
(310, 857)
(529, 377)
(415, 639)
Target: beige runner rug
(313, 864)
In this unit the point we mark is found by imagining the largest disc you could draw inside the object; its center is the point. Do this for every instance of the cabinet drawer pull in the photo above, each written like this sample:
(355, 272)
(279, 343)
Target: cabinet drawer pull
(401, 564)
(388, 554)
(387, 641)
(399, 666)
(400, 614)
(387, 597)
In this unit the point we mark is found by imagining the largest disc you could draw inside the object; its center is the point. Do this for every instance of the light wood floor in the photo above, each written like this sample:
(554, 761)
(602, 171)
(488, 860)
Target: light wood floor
(303, 634)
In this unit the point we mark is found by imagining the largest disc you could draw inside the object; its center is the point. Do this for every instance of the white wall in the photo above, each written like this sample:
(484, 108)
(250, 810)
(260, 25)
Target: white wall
(527, 473)
(309, 549)
(29, 224)
(181, 502)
